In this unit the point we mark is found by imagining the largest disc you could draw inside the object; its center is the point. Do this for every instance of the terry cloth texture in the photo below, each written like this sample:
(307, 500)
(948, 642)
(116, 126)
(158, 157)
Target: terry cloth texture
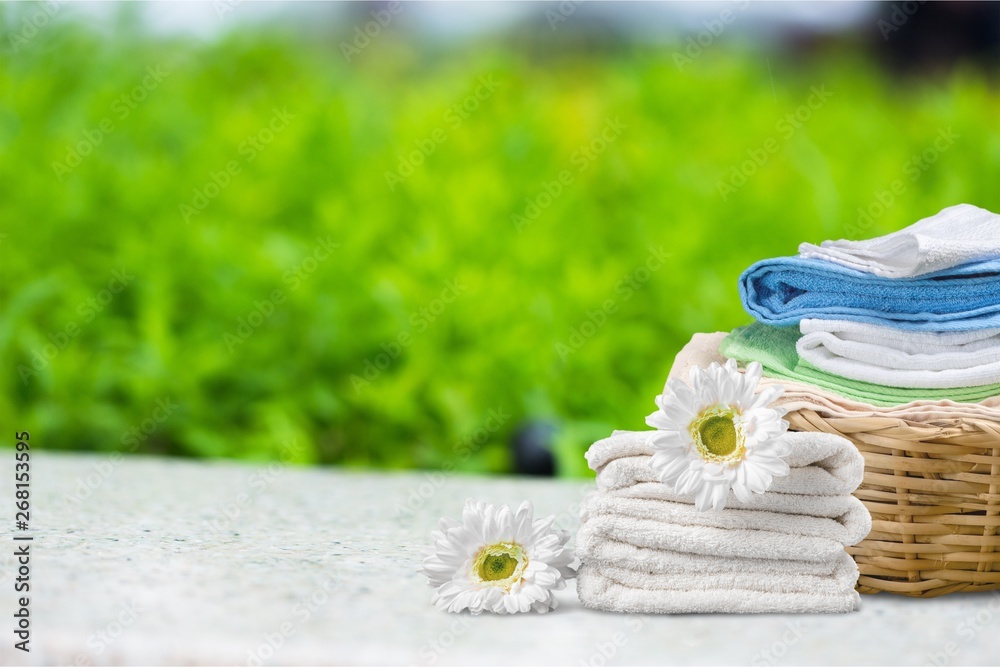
(957, 235)
(645, 549)
(820, 464)
(703, 349)
(775, 349)
(787, 290)
(886, 356)
(597, 591)
(749, 576)
(847, 529)
(594, 547)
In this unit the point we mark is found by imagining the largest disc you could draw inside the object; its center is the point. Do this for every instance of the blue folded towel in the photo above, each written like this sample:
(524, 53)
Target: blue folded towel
(785, 290)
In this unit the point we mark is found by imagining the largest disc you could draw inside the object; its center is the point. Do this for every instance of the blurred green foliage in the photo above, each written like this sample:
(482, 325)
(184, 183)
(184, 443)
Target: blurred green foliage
(507, 341)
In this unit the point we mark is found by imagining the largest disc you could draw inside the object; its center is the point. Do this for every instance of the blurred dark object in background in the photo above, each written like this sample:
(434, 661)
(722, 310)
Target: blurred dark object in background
(532, 448)
(934, 37)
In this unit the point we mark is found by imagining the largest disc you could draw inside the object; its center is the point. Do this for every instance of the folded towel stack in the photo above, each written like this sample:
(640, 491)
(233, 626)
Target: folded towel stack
(645, 549)
(908, 320)
(704, 349)
(892, 345)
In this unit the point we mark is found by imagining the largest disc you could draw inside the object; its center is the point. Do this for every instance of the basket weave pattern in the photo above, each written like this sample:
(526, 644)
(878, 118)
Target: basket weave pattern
(933, 490)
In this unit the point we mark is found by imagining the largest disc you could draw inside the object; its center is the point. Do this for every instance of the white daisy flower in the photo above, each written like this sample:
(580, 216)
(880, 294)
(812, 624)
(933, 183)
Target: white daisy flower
(717, 435)
(497, 560)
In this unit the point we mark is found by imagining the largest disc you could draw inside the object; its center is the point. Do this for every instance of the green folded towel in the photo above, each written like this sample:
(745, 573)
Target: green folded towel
(774, 348)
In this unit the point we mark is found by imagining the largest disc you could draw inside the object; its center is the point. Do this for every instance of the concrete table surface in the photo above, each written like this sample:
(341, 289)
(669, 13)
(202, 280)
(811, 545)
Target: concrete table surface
(147, 561)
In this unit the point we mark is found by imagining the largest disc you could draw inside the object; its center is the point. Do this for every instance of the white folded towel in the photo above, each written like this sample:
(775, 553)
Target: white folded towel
(954, 236)
(830, 507)
(911, 343)
(711, 541)
(846, 530)
(896, 358)
(820, 463)
(843, 578)
(597, 591)
(592, 546)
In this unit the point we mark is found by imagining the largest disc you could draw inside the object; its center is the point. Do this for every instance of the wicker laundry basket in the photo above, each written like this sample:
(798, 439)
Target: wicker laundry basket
(933, 491)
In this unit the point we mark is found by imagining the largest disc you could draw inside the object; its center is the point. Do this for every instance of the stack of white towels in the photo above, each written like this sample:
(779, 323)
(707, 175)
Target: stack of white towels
(645, 549)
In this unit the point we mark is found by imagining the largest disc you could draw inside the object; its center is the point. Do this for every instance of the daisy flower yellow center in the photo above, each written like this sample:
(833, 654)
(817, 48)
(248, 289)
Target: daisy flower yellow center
(497, 567)
(706, 429)
(500, 564)
(718, 435)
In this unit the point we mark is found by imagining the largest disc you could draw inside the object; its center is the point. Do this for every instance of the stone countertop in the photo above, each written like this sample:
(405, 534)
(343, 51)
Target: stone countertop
(143, 560)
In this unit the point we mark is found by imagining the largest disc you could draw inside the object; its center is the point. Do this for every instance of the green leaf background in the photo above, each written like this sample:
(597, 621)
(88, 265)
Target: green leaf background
(497, 345)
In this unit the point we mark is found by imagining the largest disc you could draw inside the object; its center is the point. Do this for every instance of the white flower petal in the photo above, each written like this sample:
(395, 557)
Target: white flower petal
(545, 563)
(703, 499)
(505, 524)
(522, 522)
(690, 467)
(720, 492)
